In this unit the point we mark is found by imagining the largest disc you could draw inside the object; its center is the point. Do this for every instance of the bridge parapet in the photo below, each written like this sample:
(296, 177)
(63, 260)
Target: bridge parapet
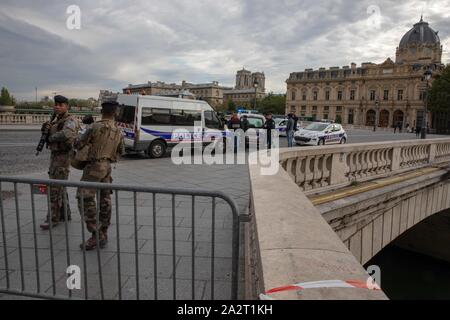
(30, 119)
(333, 166)
(287, 241)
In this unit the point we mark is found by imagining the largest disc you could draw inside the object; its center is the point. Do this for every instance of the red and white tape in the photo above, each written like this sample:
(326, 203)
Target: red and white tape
(370, 285)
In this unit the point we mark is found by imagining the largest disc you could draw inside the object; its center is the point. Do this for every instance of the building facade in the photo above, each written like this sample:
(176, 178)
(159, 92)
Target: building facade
(371, 94)
(248, 86)
(210, 92)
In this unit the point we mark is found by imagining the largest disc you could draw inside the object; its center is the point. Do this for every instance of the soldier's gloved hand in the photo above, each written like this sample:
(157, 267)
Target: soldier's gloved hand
(46, 127)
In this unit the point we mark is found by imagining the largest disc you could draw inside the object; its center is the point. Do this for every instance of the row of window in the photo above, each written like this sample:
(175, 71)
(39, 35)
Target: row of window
(314, 108)
(177, 117)
(340, 95)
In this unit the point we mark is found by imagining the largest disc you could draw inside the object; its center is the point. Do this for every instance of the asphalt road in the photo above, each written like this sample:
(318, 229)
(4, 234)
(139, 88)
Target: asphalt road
(18, 148)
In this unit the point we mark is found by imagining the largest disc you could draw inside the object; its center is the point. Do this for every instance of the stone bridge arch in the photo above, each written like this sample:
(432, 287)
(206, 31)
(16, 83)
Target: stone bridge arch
(367, 226)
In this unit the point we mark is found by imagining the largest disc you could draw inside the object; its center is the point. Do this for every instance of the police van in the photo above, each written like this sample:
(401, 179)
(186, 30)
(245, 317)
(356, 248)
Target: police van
(153, 123)
(320, 133)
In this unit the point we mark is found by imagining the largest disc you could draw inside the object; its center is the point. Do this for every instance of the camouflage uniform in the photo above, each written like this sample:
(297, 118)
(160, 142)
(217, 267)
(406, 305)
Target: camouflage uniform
(105, 146)
(63, 132)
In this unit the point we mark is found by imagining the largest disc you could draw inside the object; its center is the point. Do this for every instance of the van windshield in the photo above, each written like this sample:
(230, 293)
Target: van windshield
(126, 114)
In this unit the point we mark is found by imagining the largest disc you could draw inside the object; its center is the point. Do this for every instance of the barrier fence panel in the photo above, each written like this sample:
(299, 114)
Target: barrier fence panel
(162, 243)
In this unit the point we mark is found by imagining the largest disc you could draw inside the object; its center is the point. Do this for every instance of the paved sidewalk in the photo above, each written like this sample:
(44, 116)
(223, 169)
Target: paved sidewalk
(231, 179)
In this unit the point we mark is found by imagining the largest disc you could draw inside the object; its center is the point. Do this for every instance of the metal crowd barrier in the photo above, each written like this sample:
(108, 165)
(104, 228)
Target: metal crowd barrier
(43, 186)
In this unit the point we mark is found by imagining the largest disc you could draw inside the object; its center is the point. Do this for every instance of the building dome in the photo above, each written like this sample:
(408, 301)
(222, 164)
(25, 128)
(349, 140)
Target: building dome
(421, 33)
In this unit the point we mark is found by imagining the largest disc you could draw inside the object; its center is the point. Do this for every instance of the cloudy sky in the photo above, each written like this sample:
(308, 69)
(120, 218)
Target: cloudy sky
(122, 42)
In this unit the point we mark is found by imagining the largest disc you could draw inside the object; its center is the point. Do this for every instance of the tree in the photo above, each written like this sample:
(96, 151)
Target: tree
(439, 94)
(439, 101)
(272, 103)
(231, 106)
(5, 98)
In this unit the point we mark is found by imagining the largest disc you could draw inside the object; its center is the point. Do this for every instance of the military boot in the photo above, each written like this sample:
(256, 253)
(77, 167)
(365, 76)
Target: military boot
(91, 243)
(46, 225)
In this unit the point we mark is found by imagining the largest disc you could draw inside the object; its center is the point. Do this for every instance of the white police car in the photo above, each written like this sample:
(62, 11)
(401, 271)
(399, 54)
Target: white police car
(319, 133)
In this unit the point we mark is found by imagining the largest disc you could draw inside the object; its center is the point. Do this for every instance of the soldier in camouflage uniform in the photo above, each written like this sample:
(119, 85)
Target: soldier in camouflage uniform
(62, 133)
(105, 143)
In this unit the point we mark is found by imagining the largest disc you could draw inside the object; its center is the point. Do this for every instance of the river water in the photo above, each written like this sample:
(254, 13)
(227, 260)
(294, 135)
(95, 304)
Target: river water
(410, 275)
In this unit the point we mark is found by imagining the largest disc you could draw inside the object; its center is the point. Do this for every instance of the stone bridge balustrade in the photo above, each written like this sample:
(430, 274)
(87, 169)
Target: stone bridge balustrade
(31, 119)
(327, 166)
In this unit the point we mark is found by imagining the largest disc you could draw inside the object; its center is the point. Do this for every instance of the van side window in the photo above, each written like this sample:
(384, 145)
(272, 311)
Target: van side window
(155, 116)
(181, 117)
(125, 114)
(211, 120)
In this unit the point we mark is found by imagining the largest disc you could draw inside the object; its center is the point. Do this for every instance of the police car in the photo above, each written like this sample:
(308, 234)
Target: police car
(319, 133)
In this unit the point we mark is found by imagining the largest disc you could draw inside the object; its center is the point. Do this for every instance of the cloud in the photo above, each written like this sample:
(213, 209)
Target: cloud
(122, 42)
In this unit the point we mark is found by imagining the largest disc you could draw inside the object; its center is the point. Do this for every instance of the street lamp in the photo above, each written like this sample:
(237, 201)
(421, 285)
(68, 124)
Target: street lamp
(426, 76)
(255, 84)
(377, 106)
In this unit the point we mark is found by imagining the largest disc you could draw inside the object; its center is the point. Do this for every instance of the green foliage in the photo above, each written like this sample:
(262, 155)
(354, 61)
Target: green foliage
(272, 103)
(439, 93)
(6, 99)
(231, 106)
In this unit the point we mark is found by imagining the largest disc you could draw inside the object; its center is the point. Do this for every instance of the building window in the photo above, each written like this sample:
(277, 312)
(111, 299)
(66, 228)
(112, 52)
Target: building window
(304, 96)
(315, 95)
(314, 108)
(400, 95)
(327, 95)
(303, 108)
(293, 96)
(372, 95)
(292, 108)
(386, 95)
(422, 95)
(338, 109)
(326, 108)
(350, 116)
(352, 94)
(325, 116)
(339, 95)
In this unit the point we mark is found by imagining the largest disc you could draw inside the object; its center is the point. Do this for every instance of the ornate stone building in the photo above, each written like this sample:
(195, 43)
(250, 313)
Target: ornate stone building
(210, 92)
(386, 94)
(244, 91)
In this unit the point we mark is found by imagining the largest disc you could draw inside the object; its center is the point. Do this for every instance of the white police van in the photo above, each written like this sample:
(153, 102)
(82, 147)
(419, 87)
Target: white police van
(320, 133)
(149, 122)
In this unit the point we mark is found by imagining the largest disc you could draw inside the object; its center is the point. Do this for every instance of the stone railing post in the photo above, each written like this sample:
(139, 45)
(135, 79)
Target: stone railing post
(338, 168)
(432, 152)
(396, 158)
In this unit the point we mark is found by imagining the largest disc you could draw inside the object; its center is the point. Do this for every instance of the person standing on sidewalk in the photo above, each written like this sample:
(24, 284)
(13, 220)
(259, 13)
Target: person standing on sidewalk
(290, 129)
(105, 143)
(62, 133)
(269, 125)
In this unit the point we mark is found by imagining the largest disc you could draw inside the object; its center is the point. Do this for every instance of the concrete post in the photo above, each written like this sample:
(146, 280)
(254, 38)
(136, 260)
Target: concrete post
(432, 153)
(338, 168)
(395, 160)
